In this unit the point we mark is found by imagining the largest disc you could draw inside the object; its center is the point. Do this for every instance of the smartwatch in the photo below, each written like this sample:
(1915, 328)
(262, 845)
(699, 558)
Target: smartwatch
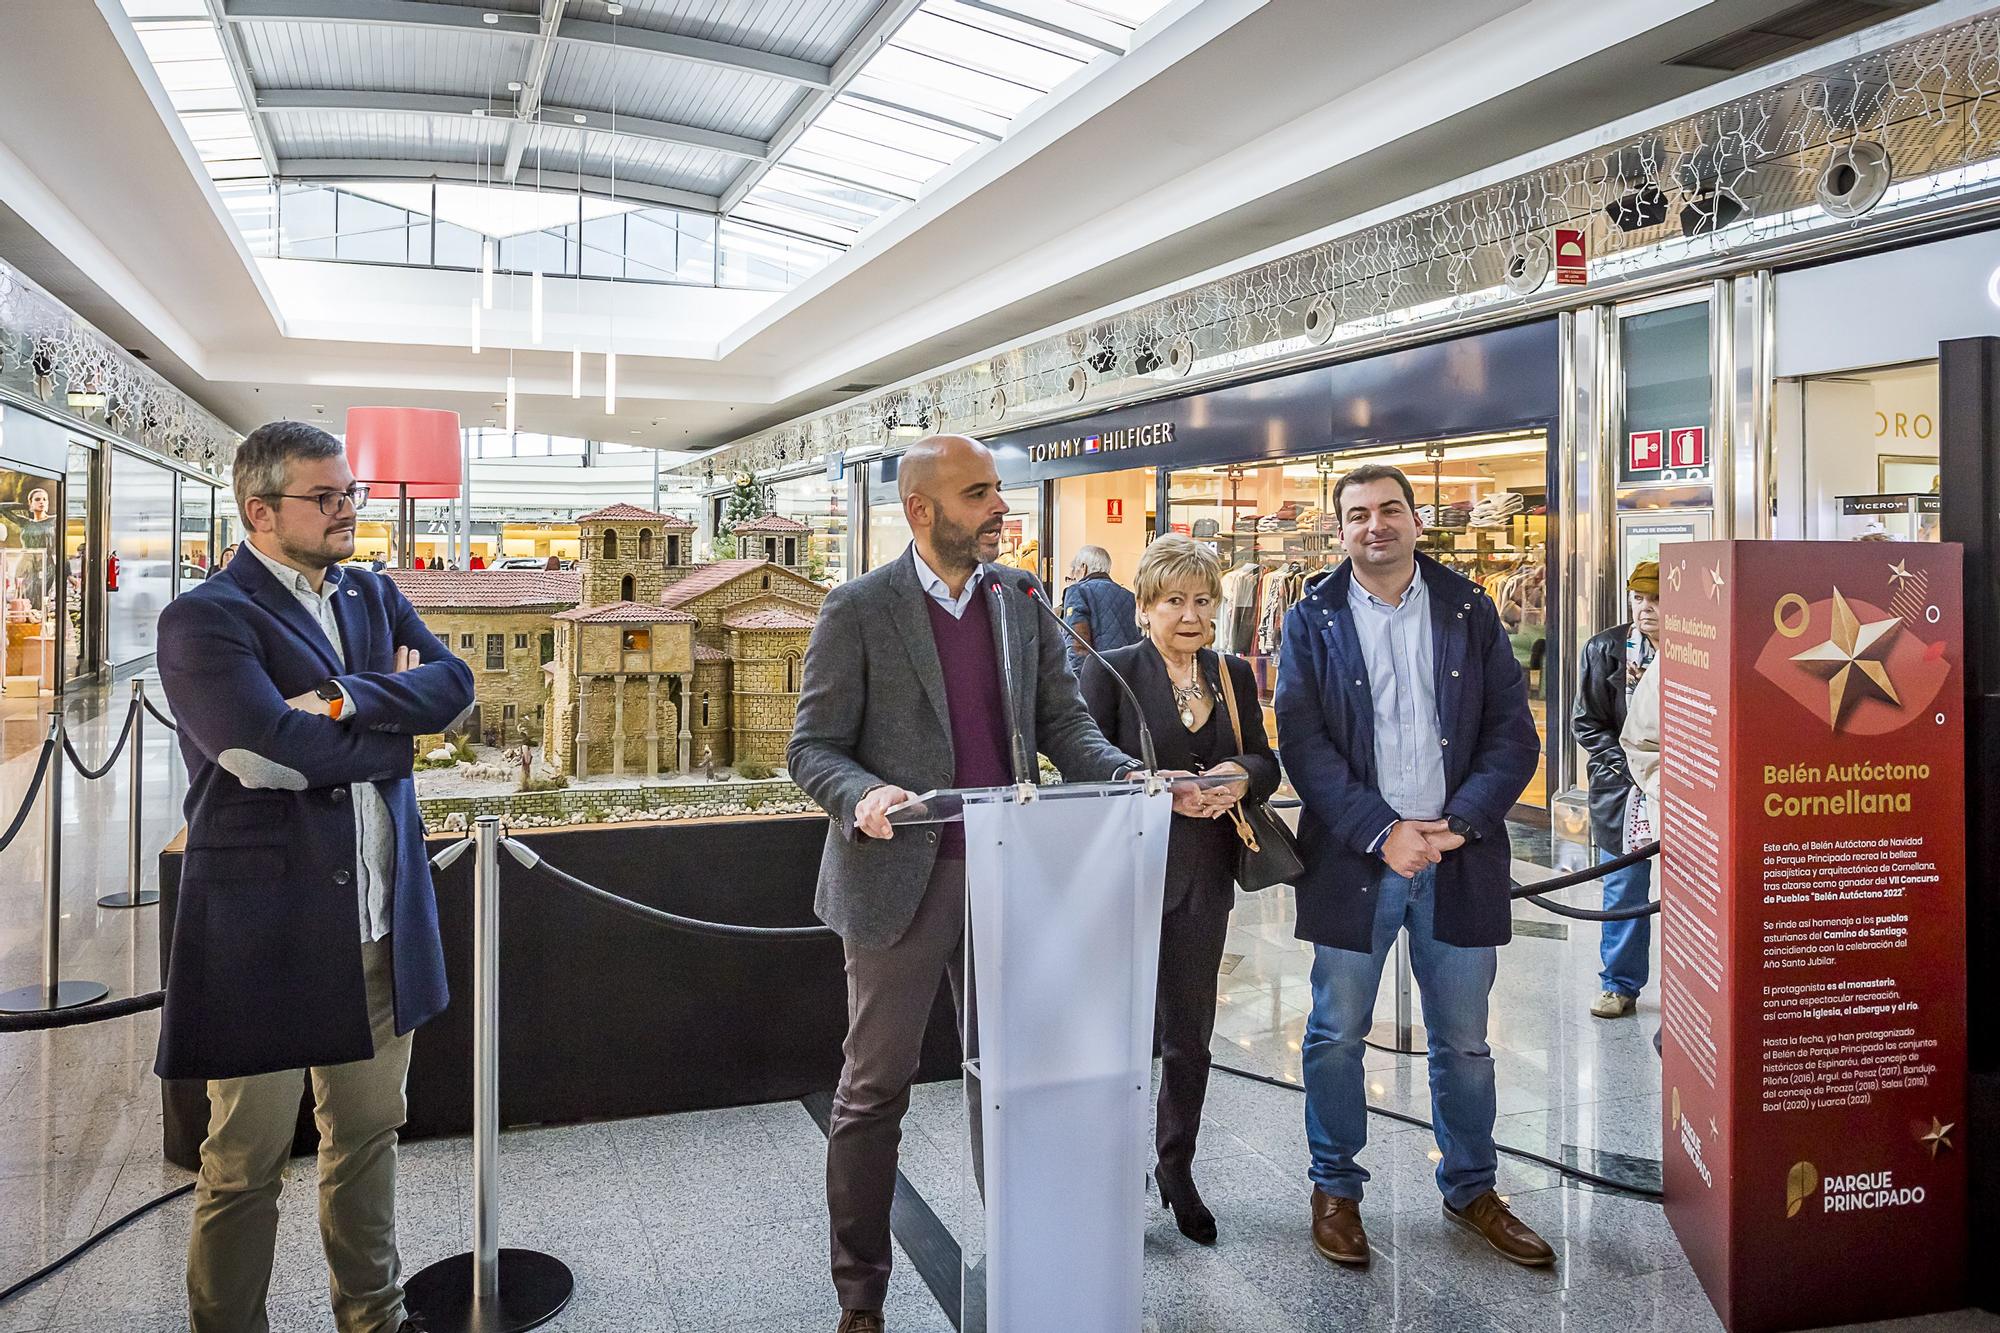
(330, 691)
(1461, 827)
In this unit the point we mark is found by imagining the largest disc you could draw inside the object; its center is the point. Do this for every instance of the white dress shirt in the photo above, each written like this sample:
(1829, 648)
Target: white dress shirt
(939, 593)
(374, 831)
(1395, 643)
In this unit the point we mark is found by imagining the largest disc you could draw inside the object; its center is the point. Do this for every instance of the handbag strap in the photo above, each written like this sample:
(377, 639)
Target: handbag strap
(1244, 831)
(1229, 699)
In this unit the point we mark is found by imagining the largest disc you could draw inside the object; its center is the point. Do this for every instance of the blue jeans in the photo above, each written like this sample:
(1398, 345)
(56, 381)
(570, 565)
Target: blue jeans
(1626, 946)
(1453, 983)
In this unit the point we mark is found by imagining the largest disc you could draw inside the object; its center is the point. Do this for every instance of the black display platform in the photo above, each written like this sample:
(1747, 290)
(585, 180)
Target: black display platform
(603, 1016)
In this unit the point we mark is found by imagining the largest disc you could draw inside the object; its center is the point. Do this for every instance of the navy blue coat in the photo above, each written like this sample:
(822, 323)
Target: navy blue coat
(1326, 735)
(266, 962)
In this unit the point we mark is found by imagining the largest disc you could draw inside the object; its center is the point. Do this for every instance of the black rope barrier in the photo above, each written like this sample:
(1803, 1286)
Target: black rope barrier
(158, 716)
(57, 1265)
(102, 1011)
(1534, 893)
(117, 747)
(532, 860)
(28, 801)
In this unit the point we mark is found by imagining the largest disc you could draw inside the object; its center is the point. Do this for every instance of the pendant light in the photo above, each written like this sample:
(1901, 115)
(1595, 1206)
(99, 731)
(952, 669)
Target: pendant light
(475, 328)
(611, 308)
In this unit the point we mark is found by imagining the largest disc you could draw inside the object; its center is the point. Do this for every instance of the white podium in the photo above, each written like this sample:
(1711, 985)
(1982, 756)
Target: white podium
(1063, 899)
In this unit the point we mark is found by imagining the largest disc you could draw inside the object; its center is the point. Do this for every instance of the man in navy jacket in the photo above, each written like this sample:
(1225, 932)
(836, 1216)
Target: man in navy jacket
(1404, 722)
(306, 934)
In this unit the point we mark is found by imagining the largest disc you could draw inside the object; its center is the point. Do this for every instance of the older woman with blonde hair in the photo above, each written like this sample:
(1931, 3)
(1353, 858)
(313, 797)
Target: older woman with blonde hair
(1204, 714)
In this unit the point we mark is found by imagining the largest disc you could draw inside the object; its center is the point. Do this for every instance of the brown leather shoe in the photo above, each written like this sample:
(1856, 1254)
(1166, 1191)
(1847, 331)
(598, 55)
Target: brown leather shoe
(1337, 1232)
(1508, 1234)
(861, 1321)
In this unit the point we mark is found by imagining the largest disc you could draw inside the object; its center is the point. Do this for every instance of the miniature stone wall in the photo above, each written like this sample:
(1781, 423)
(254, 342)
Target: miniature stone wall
(617, 805)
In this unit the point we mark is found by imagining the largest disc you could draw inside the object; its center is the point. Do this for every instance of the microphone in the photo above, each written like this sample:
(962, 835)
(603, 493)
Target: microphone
(1023, 771)
(1146, 752)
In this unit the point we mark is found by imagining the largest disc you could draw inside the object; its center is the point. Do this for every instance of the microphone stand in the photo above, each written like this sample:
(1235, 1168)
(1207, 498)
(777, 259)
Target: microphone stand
(1146, 751)
(1018, 745)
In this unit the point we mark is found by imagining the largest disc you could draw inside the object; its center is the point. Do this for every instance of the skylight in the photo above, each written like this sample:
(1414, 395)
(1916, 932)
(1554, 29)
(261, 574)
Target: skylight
(953, 78)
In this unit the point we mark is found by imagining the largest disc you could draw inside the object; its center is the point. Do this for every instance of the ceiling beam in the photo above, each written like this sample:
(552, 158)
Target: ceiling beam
(592, 34)
(528, 105)
(239, 74)
(278, 102)
(878, 30)
(1007, 11)
(472, 173)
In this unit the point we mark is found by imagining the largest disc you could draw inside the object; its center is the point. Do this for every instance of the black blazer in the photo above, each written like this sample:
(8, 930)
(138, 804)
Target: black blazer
(1201, 857)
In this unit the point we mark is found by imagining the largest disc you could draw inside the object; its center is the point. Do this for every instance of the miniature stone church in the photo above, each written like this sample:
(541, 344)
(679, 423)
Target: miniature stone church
(654, 659)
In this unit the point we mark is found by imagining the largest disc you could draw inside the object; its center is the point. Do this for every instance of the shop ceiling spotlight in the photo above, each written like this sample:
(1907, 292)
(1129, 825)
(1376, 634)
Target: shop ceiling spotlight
(1642, 208)
(1854, 179)
(1320, 319)
(1712, 210)
(1527, 268)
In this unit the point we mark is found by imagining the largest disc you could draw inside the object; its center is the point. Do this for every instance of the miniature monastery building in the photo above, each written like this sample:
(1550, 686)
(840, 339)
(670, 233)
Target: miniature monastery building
(637, 660)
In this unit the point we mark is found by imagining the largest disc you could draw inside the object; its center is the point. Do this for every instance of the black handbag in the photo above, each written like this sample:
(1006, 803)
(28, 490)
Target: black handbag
(1269, 854)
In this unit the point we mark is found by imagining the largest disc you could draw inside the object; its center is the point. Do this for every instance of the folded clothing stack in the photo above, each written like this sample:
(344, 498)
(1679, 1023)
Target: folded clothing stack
(1453, 516)
(1496, 509)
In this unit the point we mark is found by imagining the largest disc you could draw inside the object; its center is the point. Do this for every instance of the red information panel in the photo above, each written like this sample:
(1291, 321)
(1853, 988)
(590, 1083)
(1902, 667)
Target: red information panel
(1812, 939)
(1572, 257)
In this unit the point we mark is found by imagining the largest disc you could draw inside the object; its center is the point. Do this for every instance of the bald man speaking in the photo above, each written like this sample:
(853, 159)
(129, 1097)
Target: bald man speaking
(906, 689)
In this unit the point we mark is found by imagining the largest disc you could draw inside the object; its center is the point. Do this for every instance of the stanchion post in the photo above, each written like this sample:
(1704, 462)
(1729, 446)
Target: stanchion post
(53, 992)
(489, 1290)
(1403, 1036)
(135, 846)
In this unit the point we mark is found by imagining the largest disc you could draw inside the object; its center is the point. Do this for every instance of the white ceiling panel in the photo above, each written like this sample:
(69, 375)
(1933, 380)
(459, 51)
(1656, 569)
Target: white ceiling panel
(814, 30)
(382, 58)
(732, 101)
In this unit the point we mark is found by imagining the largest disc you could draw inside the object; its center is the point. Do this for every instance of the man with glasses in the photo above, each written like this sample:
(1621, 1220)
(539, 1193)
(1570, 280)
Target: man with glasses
(305, 940)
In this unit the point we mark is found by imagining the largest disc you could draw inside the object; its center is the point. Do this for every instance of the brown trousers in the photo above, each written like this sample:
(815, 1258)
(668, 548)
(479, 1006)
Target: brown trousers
(359, 1107)
(889, 997)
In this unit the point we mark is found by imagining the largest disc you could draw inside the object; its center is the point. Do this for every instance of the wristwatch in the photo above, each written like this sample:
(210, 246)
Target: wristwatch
(1461, 827)
(329, 690)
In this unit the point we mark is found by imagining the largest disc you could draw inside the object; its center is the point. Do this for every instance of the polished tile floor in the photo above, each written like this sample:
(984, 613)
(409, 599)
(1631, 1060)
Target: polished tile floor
(716, 1220)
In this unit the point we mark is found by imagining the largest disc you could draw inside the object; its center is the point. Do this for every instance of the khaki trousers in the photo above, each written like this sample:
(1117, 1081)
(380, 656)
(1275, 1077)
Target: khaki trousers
(889, 997)
(359, 1107)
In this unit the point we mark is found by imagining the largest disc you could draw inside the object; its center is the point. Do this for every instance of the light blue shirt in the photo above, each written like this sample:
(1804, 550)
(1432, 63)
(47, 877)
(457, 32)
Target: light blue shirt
(934, 585)
(374, 831)
(1409, 744)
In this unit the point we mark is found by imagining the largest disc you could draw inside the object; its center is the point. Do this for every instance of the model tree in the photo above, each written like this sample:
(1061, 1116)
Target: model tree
(745, 504)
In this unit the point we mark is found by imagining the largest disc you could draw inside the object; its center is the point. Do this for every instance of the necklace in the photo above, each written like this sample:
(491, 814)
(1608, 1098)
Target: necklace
(1188, 695)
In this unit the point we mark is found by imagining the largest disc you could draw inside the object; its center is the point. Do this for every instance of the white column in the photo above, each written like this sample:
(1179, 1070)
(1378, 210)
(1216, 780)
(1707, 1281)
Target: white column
(686, 736)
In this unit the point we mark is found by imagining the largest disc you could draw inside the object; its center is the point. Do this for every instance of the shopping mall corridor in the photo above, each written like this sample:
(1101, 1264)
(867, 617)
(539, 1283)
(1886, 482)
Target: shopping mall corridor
(716, 1220)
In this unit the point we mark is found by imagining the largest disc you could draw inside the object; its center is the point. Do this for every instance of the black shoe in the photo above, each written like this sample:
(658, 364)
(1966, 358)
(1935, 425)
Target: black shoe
(1191, 1215)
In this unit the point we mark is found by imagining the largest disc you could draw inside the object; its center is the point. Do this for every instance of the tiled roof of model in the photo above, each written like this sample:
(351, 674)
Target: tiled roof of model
(630, 513)
(488, 589)
(629, 613)
(707, 578)
(771, 523)
(704, 653)
(770, 617)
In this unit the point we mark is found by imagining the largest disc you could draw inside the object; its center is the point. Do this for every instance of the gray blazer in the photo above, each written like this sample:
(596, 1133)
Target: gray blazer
(872, 711)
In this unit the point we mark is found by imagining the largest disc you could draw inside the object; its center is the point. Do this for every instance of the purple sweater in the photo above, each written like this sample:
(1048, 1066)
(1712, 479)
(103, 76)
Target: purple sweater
(974, 698)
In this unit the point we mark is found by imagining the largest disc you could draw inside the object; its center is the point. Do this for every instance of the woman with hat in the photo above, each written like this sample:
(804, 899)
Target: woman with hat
(1613, 663)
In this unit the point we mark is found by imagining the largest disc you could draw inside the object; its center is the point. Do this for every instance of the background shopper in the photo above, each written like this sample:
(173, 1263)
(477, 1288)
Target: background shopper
(306, 936)
(1096, 607)
(1613, 663)
(1178, 679)
(1406, 731)
(902, 692)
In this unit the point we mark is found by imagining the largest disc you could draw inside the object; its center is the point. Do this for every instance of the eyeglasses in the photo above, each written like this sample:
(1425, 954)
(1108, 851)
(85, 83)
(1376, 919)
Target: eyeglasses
(329, 501)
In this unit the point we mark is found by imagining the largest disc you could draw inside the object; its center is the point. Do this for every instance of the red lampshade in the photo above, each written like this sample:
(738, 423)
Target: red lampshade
(414, 446)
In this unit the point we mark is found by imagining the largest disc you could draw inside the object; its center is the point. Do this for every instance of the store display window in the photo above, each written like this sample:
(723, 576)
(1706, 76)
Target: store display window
(1484, 503)
(197, 531)
(30, 570)
(822, 506)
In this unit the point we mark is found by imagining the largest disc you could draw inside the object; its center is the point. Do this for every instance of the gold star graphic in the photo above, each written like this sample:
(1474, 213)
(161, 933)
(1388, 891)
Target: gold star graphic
(1900, 571)
(1852, 655)
(1939, 1138)
(1715, 582)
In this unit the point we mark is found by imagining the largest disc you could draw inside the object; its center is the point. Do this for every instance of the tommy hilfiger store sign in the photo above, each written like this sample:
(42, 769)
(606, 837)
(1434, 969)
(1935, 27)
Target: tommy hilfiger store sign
(1104, 442)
